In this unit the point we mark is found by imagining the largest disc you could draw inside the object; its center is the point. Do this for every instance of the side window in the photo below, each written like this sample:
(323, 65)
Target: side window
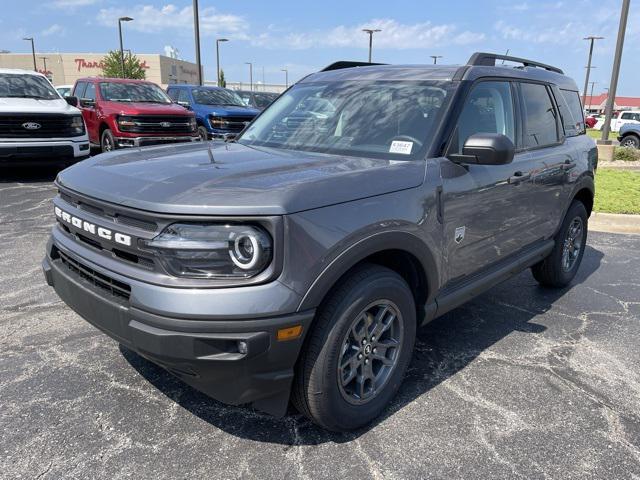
(488, 109)
(540, 127)
(78, 91)
(627, 116)
(173, 94)
(90, 92)
(183, 96)
(571, 112)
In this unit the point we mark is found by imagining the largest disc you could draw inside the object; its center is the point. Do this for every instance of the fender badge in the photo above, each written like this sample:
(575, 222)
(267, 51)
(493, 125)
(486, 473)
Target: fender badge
(459, 236)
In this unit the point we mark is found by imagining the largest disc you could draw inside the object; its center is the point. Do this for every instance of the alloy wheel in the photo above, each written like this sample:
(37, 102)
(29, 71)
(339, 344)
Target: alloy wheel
(572, 244)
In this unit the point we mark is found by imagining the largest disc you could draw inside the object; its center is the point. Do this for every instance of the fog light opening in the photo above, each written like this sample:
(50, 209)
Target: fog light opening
(243, 348)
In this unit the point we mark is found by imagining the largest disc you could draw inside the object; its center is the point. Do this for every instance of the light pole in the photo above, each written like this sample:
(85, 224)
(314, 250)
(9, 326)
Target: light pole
(44, 60)
(615, 72)
(218, 40)
(591, 96)
(435, 58)
(250, 75)
(33, 51)
(120, 20)
(196, 29)
(591, 39)
(371, 31)
(286, 77)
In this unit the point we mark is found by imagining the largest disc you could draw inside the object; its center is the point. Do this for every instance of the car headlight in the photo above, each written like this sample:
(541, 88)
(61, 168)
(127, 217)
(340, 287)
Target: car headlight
(125, 123)
(77, 125)
(198, 250)
(218, 122)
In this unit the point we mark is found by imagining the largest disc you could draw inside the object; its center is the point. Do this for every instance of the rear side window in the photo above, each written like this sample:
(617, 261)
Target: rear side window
(540, 127)
(571, 112)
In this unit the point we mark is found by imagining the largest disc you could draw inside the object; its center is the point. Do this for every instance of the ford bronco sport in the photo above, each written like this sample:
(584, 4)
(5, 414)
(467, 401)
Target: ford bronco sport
(296, 262)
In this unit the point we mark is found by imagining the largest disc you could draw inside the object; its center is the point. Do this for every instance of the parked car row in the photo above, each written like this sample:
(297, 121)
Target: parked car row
(41, 123)
(619, 119)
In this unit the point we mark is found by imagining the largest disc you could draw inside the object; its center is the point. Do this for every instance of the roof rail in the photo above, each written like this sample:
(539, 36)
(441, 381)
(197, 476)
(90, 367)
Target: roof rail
(489, 60)
(346, 64)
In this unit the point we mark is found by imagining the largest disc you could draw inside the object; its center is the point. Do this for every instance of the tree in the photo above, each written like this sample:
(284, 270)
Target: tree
(112, 66)
(223, 82)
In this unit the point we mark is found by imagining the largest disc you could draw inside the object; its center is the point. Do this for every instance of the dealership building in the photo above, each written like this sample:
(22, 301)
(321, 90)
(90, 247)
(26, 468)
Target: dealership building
(66, 68)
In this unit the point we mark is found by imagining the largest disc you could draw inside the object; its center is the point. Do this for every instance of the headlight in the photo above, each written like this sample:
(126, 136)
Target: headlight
(125, 123)
(77, 125)
(218, 122)
(213, 250)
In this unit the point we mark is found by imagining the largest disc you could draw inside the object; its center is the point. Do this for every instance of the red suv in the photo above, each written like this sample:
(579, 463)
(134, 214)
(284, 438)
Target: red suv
(131, 113)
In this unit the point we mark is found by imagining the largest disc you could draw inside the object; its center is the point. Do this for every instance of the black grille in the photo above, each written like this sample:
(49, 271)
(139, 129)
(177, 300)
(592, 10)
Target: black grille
(157, 124)
(108, 284)
(51, 125)
(232, 123)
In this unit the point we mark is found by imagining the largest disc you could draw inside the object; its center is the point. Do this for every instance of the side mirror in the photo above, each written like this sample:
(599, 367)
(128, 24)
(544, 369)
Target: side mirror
(87, 102)
(486, 149)
(73, 101)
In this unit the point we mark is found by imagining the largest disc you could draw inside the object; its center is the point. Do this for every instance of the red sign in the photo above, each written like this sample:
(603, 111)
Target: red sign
(81, 64)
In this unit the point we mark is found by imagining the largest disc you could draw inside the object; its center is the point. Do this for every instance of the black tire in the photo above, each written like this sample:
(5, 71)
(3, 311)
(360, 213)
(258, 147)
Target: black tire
(203, 133)
(554, 271)
(316, 391)
(632, 141)
(107, 142)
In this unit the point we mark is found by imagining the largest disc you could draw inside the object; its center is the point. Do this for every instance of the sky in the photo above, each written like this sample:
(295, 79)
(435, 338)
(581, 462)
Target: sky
(303, 36)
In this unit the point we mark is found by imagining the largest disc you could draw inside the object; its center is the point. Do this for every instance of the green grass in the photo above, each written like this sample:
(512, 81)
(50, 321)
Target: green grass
(617, 191)
(597, 134)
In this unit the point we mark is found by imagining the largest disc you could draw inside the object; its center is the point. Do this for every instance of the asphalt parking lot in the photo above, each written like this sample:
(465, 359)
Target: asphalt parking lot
(522, 382)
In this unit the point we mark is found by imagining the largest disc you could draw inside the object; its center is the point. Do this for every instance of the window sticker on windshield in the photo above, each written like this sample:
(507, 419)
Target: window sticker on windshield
(401, 147)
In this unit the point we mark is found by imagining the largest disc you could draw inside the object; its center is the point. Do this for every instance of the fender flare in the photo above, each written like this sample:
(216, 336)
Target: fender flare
(345, 260)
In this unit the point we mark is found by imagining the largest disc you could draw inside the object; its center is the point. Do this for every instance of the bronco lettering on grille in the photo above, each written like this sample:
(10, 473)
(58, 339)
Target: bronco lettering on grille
(93, 229)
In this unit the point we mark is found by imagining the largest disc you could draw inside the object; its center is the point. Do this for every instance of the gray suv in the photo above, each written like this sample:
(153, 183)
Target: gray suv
(296, 262)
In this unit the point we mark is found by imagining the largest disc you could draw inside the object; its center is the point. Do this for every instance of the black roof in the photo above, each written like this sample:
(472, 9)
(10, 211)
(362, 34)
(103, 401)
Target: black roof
(480, 65)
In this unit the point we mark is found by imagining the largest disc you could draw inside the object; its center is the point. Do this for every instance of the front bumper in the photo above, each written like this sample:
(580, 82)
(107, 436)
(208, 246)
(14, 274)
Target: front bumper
(144, 141)
(21, 151)
(206, 354)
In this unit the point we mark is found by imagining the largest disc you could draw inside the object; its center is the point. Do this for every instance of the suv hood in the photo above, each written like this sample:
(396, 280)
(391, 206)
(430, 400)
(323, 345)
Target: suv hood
(232, 179)
(33, 105)
(144, 108)
(227, 110)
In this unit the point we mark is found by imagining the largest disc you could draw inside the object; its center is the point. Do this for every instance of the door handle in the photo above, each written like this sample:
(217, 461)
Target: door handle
(568, 165)
(519, 177)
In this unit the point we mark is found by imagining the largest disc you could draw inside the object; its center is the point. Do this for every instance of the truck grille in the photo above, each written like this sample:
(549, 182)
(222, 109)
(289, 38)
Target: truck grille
(108, 284)
(50, 125)
(158, 124)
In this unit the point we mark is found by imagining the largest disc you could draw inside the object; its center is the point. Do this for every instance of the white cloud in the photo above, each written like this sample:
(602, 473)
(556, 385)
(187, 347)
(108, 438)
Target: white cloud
(54, 29)
(151, 19)
(393, 35)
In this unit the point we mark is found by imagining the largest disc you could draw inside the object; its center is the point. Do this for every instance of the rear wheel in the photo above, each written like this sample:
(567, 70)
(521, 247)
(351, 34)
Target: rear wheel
(630, 141)
(562, 264)
(107, 142)
(354, 361)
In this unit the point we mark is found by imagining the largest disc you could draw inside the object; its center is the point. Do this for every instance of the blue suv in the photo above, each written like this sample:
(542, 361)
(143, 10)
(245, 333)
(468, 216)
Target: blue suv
(220, 113)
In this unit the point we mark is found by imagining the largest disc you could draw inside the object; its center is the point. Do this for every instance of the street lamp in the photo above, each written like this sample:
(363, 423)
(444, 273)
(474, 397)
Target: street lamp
(286, 77)
(250, 75)
(196, 29)
(615, 72)
(120, 20)
(591, 39)
(218, 57)
(44, 60)
(33, 51)
(371, 31)
(435, 58)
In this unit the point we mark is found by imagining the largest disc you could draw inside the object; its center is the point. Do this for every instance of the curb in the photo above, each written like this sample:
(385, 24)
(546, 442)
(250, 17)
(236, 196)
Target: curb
(620, 165)
(614, 223)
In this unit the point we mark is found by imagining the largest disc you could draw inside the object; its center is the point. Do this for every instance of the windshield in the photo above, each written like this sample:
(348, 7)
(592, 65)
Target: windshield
(264, 99)
(64, 91)
(133, 92)
(216, 96)
(16, 85)
(362, 118)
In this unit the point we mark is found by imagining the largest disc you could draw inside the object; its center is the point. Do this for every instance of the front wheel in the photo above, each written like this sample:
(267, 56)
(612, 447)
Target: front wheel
(630, 141)
(107, 142)
(356, 356)
(559, 268)
(203, 133)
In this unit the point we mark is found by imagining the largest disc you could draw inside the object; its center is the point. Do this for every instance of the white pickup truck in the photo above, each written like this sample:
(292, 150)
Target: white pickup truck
(36, 124)
(624, 117)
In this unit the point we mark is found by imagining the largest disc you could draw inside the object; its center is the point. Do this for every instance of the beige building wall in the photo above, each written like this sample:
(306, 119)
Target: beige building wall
(66, 68)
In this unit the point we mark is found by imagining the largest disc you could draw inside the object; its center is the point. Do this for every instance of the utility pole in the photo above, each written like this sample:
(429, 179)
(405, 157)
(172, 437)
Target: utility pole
(286, 77)
(33, 52)
(615, 72)
(591, 96)
(218, 58)
(435, 58)
(120, 20)
(371, 31)
(591, 39)
(250, 75)
(196, 29)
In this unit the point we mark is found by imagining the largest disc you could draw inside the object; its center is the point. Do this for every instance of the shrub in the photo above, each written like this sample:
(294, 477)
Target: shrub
(626, 154)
